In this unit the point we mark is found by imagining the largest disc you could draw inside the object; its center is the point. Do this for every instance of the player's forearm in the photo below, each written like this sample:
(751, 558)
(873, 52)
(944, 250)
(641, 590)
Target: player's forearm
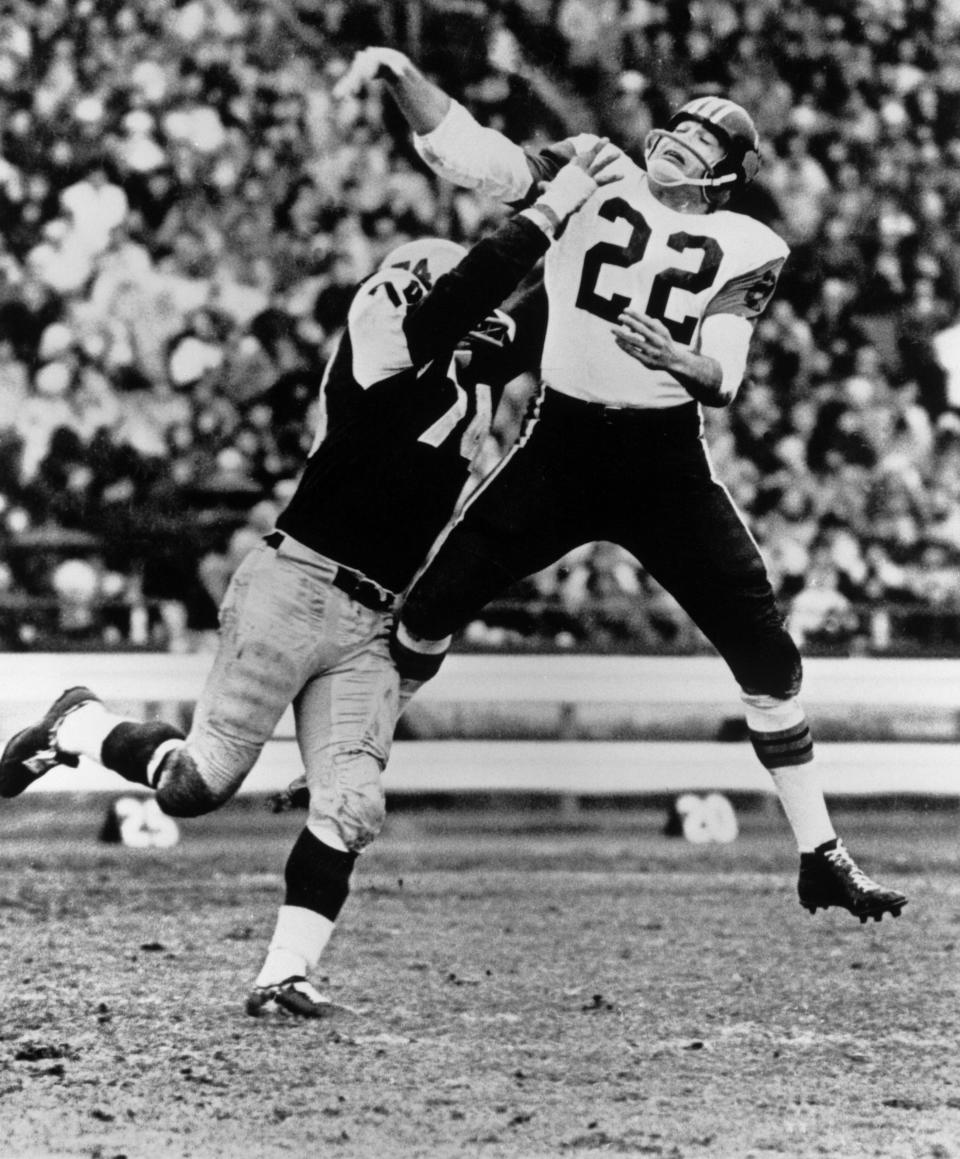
(702, 378)
(717, 369)
(461, 150)
(423, 103)
(461, 299)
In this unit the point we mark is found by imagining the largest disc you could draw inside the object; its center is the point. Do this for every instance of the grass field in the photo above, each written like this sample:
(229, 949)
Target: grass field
(519, 988)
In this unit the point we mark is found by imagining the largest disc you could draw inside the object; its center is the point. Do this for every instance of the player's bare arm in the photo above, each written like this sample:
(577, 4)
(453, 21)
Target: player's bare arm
(448, 138)
(711, 376)
(649, 342)
(422, 102)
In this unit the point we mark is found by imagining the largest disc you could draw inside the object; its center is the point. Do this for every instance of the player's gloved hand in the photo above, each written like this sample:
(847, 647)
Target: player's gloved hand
(368, 65)
(578, 180)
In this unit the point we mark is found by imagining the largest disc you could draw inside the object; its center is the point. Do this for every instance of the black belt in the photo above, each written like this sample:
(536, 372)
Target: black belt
(352, 583)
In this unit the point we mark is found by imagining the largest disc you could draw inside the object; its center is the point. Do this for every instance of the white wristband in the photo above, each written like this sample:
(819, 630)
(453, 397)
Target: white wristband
(543, 218)
(567, 191)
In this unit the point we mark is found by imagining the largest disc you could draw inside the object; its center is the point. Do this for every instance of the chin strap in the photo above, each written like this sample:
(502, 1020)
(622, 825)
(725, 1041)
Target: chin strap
(699, 182)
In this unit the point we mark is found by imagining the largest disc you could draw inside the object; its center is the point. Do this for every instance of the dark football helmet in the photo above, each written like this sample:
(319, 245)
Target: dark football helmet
(733, 127)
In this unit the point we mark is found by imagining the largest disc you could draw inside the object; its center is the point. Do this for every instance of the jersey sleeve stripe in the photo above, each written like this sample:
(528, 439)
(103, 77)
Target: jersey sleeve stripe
(749, 294)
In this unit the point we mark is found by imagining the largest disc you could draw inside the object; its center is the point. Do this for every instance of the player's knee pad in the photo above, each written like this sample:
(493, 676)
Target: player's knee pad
(317, 876)
(416, 659)
(357, 805)
(181, 789)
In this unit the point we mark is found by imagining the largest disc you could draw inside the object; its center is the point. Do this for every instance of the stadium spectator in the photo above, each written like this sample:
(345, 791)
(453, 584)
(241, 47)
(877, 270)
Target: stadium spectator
(213, 126)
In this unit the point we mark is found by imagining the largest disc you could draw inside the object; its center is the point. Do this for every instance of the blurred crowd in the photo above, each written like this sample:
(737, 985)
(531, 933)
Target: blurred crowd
(187, 213)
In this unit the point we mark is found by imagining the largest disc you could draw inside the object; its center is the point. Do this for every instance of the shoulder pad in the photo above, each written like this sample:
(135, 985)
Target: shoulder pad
(758, 241)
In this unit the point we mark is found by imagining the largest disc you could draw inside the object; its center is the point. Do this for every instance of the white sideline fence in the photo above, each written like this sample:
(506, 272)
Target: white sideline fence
(131, 681)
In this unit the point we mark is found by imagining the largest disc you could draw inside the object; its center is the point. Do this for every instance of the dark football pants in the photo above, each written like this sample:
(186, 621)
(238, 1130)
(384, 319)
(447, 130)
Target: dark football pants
(583, 472)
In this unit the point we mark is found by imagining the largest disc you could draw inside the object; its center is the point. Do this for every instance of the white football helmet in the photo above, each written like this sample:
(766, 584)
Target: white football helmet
(427, 258)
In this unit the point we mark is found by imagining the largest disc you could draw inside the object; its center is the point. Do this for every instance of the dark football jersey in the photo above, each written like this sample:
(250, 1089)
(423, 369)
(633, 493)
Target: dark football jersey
(406, 401)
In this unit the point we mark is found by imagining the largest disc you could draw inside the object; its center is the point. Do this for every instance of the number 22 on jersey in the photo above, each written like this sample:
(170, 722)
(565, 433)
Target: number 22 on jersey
(633, 251)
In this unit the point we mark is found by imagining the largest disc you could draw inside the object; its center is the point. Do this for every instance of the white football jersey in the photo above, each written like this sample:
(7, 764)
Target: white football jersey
(623, 248)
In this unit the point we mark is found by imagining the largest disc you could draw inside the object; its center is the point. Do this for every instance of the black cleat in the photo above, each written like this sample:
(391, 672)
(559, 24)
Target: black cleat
(33, 751)
(293, 996)
(830, 877)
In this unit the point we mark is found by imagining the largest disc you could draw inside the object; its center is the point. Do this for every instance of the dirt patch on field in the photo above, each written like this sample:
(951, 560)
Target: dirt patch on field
(580, 991)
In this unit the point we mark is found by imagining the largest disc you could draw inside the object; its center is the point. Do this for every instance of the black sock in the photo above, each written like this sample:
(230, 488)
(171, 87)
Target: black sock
(318, 876)
(129, 747)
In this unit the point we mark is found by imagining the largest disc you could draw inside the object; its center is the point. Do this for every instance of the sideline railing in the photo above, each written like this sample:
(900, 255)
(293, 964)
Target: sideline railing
(568, 724)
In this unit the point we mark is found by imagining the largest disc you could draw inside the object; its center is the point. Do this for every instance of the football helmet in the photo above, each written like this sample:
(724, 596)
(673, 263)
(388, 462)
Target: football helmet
(733, 127)
(427, 258)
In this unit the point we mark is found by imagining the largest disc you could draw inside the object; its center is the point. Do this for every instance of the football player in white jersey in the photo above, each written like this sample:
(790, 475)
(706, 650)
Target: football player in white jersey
(653, 292)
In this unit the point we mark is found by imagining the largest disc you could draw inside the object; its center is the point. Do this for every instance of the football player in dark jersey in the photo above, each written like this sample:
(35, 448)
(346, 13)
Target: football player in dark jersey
(653, 291)
(406, 400)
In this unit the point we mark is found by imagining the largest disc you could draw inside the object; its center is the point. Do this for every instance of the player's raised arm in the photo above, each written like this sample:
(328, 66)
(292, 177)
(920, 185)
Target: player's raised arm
(446, 136)
(422, 102)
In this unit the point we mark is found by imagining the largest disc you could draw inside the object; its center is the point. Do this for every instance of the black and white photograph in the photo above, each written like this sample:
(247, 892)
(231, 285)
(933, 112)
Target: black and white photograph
(479, 579)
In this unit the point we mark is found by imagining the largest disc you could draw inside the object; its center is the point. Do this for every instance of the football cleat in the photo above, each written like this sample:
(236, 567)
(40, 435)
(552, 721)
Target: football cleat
(830, 877)
(293, 996)
(33, 751)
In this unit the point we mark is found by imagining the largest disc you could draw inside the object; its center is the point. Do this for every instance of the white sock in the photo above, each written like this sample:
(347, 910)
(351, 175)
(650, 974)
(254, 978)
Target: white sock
(299, 938)
(802, 799)
(779, 726)
(84, 730)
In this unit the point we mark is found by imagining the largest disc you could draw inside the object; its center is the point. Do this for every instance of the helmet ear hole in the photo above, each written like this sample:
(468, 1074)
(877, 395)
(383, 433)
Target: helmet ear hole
(750, 164)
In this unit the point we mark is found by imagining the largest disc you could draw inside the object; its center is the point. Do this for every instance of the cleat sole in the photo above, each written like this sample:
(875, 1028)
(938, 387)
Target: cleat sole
(893, 909)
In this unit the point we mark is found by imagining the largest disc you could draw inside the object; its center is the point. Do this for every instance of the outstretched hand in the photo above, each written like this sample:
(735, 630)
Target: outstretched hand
(598, 159)
(579, 179)
(369, 64)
